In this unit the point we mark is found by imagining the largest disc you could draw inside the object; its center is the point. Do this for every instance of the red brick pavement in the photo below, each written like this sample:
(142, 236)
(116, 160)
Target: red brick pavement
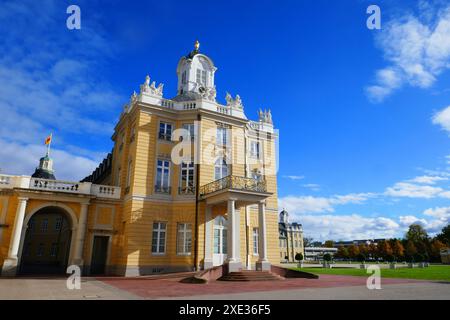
(171, 287)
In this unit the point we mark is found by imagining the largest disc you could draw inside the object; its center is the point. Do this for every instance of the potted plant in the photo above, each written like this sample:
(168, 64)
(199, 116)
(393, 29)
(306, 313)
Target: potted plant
(299, 258)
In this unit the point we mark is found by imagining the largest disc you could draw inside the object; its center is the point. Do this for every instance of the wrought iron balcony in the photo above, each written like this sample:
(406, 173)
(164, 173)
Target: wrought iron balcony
(235, 183)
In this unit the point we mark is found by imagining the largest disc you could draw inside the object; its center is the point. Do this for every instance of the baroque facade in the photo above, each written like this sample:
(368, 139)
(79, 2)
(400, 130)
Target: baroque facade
(290, 238)
(190, 184)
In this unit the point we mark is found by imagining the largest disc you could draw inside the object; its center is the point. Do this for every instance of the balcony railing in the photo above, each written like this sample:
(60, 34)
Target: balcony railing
(235, 183)
(87, 188)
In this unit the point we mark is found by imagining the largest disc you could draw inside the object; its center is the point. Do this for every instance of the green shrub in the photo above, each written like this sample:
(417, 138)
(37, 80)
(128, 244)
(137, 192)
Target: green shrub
(327, 257)
(299, 257)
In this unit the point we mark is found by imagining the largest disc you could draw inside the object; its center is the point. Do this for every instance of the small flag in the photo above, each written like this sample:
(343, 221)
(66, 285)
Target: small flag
(48, 139)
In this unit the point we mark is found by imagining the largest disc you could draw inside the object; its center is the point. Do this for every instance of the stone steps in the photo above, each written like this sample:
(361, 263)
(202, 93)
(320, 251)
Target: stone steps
(250, 275)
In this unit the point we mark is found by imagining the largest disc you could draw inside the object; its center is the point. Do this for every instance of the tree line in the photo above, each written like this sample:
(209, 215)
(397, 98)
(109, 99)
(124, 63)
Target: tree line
(416, 246)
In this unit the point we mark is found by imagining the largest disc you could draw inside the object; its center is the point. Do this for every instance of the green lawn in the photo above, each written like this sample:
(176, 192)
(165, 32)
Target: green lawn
(440, 272)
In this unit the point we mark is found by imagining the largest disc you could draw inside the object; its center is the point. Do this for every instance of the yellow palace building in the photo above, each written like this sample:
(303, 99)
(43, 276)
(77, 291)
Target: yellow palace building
(190, 184)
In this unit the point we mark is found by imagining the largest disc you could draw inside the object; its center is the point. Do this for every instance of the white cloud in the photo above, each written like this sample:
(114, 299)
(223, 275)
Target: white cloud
(310, 204)
(411, 190)
(348, 227)
(428, 179)
(439, 212)
(442, 118)
(24, 158)
(312, 186)
(50, 83)
(294, 177)
(418, 50)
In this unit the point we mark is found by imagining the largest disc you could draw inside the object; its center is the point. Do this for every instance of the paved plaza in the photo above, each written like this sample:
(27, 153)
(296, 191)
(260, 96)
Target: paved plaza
(163, 287)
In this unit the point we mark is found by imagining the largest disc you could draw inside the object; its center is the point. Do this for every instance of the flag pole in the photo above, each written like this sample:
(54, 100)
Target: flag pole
(48, 145)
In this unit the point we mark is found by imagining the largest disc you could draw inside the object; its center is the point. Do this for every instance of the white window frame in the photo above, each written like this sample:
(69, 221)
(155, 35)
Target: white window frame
(190, 127)
(187, 185)
(255, 149)
(219, 167)
(164, 135)
(159, 185)
(184, 238)
(222, 136)
(255, 239)
(159, 230)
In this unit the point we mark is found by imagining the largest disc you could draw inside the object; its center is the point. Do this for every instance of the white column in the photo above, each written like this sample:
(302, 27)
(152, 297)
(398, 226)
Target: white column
(263, 262)
(81, 235)
(234, 260)
(208, 259)
(10, 264)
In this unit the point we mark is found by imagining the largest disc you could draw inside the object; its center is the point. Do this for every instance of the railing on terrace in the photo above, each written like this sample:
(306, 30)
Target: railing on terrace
(27, 182)
(234, 182)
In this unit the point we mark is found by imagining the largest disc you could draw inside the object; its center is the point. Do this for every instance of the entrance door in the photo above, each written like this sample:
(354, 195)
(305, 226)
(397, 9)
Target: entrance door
(220, 241)
(99, 254)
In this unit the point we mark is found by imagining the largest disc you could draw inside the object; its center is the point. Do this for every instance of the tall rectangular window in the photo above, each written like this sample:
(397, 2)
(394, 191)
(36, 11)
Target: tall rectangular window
(183, 77)
(58, 223)
(54, 249)
(163, 176)
(189, 127)
(129, 173)
(165, 131)
(159, 237)
(40, 250)
(254, 149)
(184, 238)
(201, 77)
(187, 178)
(221, 136)
(255, 241)
(44, 225)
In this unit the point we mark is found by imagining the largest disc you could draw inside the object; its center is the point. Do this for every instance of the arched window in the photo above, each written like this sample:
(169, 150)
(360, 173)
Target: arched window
(220, 169)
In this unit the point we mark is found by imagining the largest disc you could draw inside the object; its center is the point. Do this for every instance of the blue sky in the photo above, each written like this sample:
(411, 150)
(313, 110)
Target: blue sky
(363, 115)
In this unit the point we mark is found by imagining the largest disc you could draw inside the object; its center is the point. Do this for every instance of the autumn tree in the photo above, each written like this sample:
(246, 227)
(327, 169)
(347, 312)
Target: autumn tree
(385, 250)
(342, 253)
(364, 250)
(435, 249)
(398, 249)
(329, 244)
(411, 250)
(353, 251)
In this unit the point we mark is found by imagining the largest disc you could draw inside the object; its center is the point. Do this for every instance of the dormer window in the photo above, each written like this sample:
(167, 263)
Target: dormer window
(201, 77)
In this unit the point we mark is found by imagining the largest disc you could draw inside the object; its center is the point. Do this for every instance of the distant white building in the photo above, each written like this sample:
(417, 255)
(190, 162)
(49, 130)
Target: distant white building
(290, 237)
(317, 253)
